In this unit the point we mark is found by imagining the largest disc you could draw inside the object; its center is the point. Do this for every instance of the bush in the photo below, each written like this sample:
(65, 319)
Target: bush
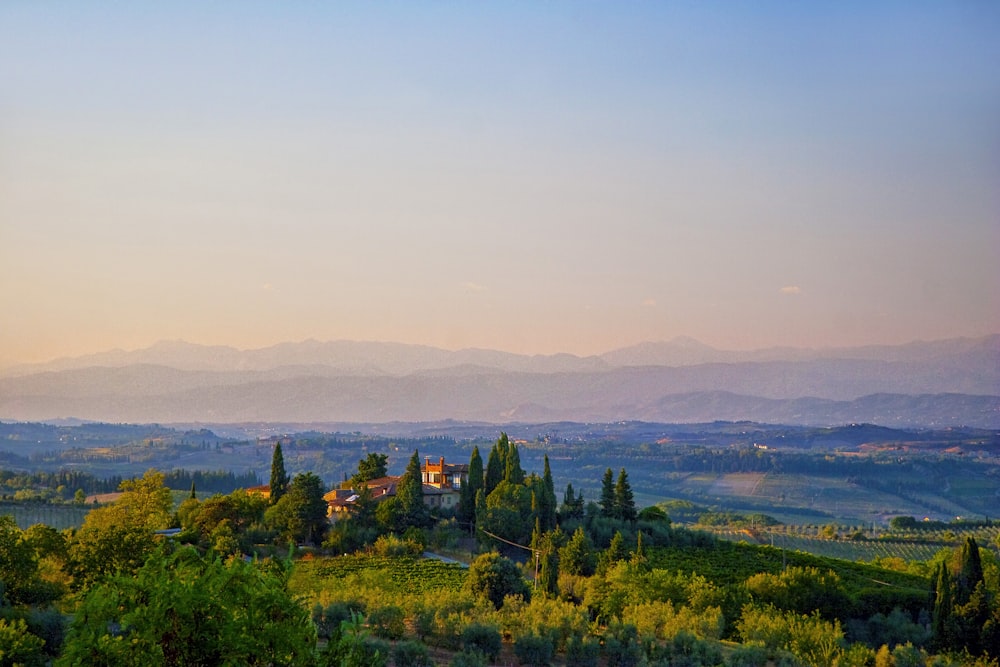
(18, 646)
(387, 622)
(746, 655)
(468, 659)
(411, 654)
(483, 639)
(533, 650)
(329, 619)
(582, 651)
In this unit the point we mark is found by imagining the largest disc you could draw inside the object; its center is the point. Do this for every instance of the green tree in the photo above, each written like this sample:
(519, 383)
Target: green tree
(496, 464)
(300, 514)
(145, 503)
(20, 582)
(467, 494)
(410, 496)
(279, 478)
(513, 471)
(624, 501)
(371, 467)
(182, 609)
(18, 647)
(572, 505)
(607, 501)
(493, 577)
(547, 503)
(578, 557)
(97, 553)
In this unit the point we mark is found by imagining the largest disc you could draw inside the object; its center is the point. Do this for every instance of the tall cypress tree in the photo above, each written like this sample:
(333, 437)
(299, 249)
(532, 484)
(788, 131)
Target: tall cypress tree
(548, 504)
(495, 466)
(279, 478)
(514, 473)
(467, 496)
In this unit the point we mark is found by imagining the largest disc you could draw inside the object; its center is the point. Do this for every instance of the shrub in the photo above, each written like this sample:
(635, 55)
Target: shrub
(468, 659)
(483, 639)
(411, 654)
(387, 622)
(582, 651)
(746, 655)
(18, 646)
(533, 650)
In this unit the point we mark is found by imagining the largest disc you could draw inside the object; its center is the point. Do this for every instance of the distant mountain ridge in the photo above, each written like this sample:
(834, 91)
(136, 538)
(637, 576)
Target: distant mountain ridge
(938, 383)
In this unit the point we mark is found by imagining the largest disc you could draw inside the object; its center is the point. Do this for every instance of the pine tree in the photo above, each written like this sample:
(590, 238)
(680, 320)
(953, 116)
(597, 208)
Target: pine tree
(607, 501)
(279, 478)
(194, 495)
(624, 502)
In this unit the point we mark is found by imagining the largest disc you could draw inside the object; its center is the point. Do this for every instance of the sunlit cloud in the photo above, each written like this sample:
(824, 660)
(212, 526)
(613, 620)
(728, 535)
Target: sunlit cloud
(791, 290)
(267, 287)
(473, 287)
(649, 303)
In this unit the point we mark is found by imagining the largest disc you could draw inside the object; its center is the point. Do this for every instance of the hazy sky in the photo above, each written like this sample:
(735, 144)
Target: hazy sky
(532, 177)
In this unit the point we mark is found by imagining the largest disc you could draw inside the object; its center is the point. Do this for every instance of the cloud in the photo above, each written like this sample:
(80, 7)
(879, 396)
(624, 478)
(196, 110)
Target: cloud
(473, 287)
(791, 290)
(649, 303)
(267, 287)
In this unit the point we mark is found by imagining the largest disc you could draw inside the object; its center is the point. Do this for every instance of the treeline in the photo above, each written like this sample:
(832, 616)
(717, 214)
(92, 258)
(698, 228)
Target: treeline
(65, 483)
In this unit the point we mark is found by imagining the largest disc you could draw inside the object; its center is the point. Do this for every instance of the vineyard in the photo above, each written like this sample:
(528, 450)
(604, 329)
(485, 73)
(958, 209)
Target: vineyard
(906, 546)
(393, 575)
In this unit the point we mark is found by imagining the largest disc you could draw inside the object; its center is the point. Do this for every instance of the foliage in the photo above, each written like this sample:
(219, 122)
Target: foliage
(20, 580)
(534, 650)
(184, 609)
(387, 622)
(300, 514)
(802, 590)
(623, 505)
(582, 651)
(410, 496)
(483, 639)
(578, 557)
(810, 638)
(371, 467)
(493, 577)
(411, 654)
(18, 646)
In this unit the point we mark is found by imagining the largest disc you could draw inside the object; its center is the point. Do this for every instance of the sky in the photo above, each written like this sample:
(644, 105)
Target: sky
(534, 177)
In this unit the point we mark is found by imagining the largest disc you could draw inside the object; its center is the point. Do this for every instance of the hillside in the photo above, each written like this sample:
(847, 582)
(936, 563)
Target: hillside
(943, 383)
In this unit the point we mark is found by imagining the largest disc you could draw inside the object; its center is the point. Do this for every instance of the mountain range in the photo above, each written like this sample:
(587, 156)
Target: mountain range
(953, 382)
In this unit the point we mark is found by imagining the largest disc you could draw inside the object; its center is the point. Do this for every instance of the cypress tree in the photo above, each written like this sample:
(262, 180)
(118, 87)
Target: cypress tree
(194, 496)
(279, 478)
(970, 571)
(494, 470)
(548, 501)
(467, 496)
(514, 473)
